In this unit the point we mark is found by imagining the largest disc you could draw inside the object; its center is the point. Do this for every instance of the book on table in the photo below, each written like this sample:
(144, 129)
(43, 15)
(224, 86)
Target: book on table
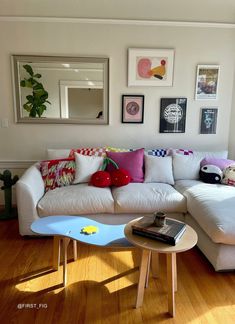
(170, 233)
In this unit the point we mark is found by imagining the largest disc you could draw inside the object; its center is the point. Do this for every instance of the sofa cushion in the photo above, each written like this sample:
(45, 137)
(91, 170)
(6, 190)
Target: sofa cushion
(64, 201)
(158, 169)
(212, 206)
(148, 198)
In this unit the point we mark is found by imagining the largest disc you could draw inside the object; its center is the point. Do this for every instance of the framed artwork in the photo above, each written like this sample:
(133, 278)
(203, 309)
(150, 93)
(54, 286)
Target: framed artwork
(207, 82)
(133, 109)
(173, 115)
(208, 120)
(150, 67)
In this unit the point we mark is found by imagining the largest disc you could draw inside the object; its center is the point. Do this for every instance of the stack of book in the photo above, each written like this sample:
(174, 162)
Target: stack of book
(170, 233)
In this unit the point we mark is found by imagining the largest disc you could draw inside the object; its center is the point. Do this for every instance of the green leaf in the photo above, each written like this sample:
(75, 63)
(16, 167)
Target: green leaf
(37, 75)
(33, 112)
(27, 107)
(29, 69)
(23, 83)
(30, 98)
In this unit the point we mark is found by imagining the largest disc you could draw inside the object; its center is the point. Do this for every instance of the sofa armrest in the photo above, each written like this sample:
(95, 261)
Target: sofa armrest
(29, 190)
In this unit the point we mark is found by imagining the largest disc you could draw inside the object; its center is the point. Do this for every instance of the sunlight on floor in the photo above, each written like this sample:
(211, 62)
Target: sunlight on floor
(114, 270)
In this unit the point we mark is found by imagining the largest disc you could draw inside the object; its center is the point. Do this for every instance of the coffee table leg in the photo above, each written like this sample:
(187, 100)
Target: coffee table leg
(142, 277)
(75, 251)
(148, 270)
(56, 252)
(155, 264)
(171, 269)
(65, 248)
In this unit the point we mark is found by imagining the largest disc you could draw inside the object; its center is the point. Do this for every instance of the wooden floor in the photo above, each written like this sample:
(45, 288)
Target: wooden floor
(102, 286)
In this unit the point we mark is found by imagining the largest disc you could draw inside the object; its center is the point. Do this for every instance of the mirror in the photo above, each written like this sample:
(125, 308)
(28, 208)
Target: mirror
(53, 89)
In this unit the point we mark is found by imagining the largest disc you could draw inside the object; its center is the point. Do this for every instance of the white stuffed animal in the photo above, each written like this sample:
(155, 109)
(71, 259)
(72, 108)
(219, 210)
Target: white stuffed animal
(229, 175)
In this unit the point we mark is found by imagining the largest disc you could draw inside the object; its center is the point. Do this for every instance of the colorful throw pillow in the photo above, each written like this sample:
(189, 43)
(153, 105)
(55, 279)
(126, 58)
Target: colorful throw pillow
(57, 173)
(98, 151)
(86, 166)
(210, 174)
(229, 175)
(181, 151)
(157, 152)
(158, 169)
(220, 163)
(131, 161)
(117, 149)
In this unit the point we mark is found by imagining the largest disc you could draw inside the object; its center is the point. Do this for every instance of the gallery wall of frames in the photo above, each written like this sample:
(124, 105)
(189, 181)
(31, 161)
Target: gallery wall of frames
(155, 68)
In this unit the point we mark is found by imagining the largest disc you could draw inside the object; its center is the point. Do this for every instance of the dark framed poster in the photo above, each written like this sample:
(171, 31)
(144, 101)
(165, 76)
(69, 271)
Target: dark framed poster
(208, 120)
(173, 115)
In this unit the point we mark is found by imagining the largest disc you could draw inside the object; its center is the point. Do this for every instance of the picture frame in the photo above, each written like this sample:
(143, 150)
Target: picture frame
(173, 115)
(150, 67)
(208, 123)
(207, 81)
(133, 109)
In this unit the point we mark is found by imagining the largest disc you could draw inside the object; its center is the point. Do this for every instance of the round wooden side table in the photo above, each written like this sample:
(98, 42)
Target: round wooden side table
(187, 241)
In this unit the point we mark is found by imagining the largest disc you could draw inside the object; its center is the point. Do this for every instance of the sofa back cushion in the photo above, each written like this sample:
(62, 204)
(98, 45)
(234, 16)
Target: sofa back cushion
(158, 169)
(131, 161)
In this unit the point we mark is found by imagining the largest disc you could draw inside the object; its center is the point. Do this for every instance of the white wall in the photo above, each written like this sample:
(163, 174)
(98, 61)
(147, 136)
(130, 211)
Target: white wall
(192, 46)
(232, 127)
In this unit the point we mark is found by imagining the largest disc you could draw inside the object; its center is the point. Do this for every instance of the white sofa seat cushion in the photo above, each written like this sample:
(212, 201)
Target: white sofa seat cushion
(147, 198)
(212, 206)
(81, 199)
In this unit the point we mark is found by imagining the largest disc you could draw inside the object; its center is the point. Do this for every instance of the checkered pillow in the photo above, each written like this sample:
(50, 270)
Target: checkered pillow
(91, 151)
(182, 151)
(157, 152)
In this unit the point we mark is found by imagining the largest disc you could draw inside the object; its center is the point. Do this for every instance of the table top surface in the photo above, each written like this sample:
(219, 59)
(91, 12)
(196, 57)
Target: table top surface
(71, 227)
(186, 242)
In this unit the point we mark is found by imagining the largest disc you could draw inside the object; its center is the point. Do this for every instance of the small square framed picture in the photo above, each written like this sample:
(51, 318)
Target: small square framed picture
(133, 109)
(207, 82)
(208, 120)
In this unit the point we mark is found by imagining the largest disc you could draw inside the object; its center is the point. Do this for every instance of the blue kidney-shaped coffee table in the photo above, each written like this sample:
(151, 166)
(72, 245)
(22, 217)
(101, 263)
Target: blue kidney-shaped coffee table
(65, 228)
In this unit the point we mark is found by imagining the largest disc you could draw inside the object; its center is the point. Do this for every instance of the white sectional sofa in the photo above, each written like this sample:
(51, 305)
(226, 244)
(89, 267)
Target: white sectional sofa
(208, 208)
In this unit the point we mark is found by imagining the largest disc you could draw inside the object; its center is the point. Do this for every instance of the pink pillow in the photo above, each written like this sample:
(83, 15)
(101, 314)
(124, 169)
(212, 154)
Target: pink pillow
(220, 163)
(131, 161)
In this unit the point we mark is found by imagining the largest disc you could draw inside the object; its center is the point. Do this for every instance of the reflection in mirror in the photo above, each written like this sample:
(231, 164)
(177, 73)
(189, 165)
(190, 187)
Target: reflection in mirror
(61, 89)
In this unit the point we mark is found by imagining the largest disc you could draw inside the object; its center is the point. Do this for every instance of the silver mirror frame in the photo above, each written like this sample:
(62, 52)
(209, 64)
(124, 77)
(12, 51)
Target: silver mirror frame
(16, 59)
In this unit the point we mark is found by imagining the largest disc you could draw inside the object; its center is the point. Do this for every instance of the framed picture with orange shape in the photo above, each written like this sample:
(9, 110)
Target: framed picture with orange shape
(150, 67)
(133, 109)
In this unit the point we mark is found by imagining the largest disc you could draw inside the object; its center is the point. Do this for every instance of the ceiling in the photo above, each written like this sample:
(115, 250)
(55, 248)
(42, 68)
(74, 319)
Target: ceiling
(222, 11)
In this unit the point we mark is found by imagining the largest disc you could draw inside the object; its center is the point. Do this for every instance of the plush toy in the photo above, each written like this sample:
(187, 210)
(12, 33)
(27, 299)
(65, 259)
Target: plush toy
(117, 177)
(120, 177)
(90, 229)
(210, 174)
(101, 179)
(229, 175)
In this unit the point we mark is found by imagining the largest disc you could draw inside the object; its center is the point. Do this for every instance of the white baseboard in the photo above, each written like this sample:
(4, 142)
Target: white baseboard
(16, 164)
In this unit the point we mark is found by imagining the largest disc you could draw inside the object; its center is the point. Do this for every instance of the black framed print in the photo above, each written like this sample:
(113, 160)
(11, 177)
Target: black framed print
(208, 120)
(133, 109)
(173, 115)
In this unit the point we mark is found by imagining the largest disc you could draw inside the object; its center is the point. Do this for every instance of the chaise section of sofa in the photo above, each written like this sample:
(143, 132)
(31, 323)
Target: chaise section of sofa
(211, 211)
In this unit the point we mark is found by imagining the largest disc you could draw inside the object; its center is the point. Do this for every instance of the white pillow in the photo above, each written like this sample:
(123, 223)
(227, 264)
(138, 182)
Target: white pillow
(158, 169)
(85, 166)
(186, 167)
